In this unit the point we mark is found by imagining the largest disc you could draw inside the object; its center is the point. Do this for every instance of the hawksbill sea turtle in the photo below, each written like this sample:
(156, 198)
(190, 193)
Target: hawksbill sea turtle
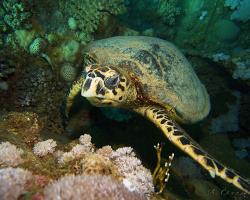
(150, 76)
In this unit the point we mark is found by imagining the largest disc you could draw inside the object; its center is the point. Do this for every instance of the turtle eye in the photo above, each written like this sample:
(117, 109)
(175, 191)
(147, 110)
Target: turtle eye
(112, 81)
(91, 75)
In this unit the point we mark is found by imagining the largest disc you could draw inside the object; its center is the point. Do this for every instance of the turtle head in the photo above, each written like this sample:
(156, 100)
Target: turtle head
(107, 86)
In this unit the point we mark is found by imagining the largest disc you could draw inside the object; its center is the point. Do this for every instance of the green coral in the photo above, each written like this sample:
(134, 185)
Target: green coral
(168, 11)
(15, 14)
(88, 14)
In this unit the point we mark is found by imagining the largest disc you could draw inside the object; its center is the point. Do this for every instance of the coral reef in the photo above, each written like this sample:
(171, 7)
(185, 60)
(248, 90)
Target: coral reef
(228, 122)
(87, 14)
(6, 69)
(94, 164)
(13, 182)
(119, 163)
(89, 187)
(103, 166)
(10, 155)
(68, 72)
(37, 46)
(241, 9)
(45, 147)
(24, 125)
(138, 177)
(168, 11)
(41, 46)
(16, 14)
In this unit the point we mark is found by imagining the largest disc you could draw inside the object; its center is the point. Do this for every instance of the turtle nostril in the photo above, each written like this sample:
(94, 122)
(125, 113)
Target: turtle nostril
(87, 84)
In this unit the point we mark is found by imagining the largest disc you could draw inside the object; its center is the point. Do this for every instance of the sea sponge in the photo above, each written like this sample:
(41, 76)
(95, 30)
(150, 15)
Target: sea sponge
(72, 23)
(13, 182)
(37, 46)
(89, 188)
(10, 155)
(45, 147)
(68, 72)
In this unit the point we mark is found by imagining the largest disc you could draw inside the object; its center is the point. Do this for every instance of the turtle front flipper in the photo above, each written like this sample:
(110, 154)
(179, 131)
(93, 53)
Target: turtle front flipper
(181, 139)
(74, 90)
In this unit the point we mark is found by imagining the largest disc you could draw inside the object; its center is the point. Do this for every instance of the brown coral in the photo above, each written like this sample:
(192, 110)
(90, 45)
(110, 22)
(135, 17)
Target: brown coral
(94, 164)
(21, 123)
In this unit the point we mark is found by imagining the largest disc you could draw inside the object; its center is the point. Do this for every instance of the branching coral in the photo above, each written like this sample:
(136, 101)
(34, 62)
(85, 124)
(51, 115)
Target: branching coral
(168, 11)
(89, 188)
(16, 14)
(78, 151)
(45, 147)
(88, 13)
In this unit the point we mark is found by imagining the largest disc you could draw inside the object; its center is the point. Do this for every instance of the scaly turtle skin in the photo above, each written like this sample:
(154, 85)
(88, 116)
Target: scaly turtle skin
(150, 76)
